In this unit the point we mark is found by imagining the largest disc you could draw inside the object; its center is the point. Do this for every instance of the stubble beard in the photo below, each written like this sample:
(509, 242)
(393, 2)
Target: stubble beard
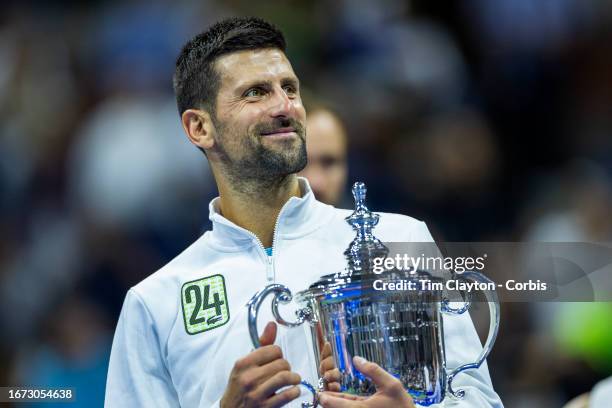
(259, 167)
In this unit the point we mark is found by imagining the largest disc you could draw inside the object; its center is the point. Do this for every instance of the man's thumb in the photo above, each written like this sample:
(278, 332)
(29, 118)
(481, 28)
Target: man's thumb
(380, 377)
(269, 334)
(328, 401)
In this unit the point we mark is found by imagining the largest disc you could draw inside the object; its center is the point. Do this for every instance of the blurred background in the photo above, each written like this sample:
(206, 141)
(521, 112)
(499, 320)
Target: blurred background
(490, 120)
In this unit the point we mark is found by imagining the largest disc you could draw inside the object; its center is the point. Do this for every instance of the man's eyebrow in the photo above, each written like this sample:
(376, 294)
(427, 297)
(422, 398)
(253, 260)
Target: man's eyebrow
(291, 81)
(267, 83)
(253, 84)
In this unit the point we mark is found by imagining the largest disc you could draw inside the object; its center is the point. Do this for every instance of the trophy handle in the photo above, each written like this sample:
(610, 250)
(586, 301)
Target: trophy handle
(493, 302)
(282, 294)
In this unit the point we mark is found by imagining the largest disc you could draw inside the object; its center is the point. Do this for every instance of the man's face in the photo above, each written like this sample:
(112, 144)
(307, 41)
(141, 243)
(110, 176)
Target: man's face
(259, 119)
(327, 168)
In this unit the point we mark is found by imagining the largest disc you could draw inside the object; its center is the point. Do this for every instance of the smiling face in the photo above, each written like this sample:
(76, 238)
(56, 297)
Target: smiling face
(259, 120)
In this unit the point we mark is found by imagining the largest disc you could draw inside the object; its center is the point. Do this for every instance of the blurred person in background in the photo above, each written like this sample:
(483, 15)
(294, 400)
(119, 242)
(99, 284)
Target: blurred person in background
(326, 147)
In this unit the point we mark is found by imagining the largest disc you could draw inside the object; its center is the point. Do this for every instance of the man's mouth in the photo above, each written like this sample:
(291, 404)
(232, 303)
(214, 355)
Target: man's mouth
(280, 132)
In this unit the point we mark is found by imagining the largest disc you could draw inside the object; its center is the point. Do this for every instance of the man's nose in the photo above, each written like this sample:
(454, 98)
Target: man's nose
(281, 104)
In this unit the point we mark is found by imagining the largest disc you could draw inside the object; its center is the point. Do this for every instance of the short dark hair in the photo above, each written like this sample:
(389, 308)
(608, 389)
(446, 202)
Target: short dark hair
(195, 80)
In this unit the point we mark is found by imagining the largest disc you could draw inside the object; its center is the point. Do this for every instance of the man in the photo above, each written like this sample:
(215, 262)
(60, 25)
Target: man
(326, 146)
(182, 337)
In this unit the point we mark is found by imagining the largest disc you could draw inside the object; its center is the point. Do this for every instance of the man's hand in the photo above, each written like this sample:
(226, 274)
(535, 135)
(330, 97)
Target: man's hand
(389, 391)
(328, 369)
(256, 377)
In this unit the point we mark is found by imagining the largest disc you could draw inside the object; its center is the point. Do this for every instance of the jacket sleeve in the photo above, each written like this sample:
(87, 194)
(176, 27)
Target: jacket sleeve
(137, 375)
(463, 346)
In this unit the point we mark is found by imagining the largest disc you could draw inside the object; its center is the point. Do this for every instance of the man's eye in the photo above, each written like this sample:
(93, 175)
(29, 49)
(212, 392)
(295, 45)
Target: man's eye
(289, 89)
(253, 92)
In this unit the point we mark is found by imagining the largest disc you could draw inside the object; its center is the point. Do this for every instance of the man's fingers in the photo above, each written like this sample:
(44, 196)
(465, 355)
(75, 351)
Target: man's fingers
(327, 365)
(380, 377)
(266, 353)
(327, 360)
(332, 380)
(269, 334)
(350, 397)
(274, 367)
(260, 357)
(333, 375)
(328, 369)
(258, 375)
(333, 386)
(277, 381)
(283, 398)
(329, 401)
(327, 350)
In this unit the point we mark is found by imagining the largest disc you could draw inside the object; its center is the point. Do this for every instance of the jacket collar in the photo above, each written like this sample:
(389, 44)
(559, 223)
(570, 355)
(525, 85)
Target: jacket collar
(298, 217)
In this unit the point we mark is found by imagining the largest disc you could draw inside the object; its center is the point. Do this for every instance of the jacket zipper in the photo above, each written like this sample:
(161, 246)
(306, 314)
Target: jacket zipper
(270, 267)
(270, 273)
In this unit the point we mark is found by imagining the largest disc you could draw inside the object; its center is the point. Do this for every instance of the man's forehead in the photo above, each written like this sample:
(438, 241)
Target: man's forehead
(247, 65)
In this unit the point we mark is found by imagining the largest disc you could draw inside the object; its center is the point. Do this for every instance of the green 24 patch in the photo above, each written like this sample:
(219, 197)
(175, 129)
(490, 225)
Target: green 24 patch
(204, 304)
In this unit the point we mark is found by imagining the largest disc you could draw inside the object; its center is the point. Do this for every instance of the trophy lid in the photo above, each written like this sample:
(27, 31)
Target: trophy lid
(364, 248)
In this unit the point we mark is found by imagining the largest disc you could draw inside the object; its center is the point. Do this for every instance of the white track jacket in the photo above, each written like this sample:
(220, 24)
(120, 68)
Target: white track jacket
(182, 328)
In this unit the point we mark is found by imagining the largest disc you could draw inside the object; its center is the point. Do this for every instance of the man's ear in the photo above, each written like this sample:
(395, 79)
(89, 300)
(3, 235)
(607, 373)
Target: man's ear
(199, 128)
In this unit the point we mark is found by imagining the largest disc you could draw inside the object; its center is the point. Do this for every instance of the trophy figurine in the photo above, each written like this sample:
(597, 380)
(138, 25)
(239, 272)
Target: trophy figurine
(402, 331)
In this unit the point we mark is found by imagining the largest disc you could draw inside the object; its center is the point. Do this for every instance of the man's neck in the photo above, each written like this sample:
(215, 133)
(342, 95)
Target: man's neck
(256, 206)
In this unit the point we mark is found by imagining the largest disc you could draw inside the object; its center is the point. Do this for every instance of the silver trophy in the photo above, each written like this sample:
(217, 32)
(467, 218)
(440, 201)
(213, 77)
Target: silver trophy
(401, 331)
